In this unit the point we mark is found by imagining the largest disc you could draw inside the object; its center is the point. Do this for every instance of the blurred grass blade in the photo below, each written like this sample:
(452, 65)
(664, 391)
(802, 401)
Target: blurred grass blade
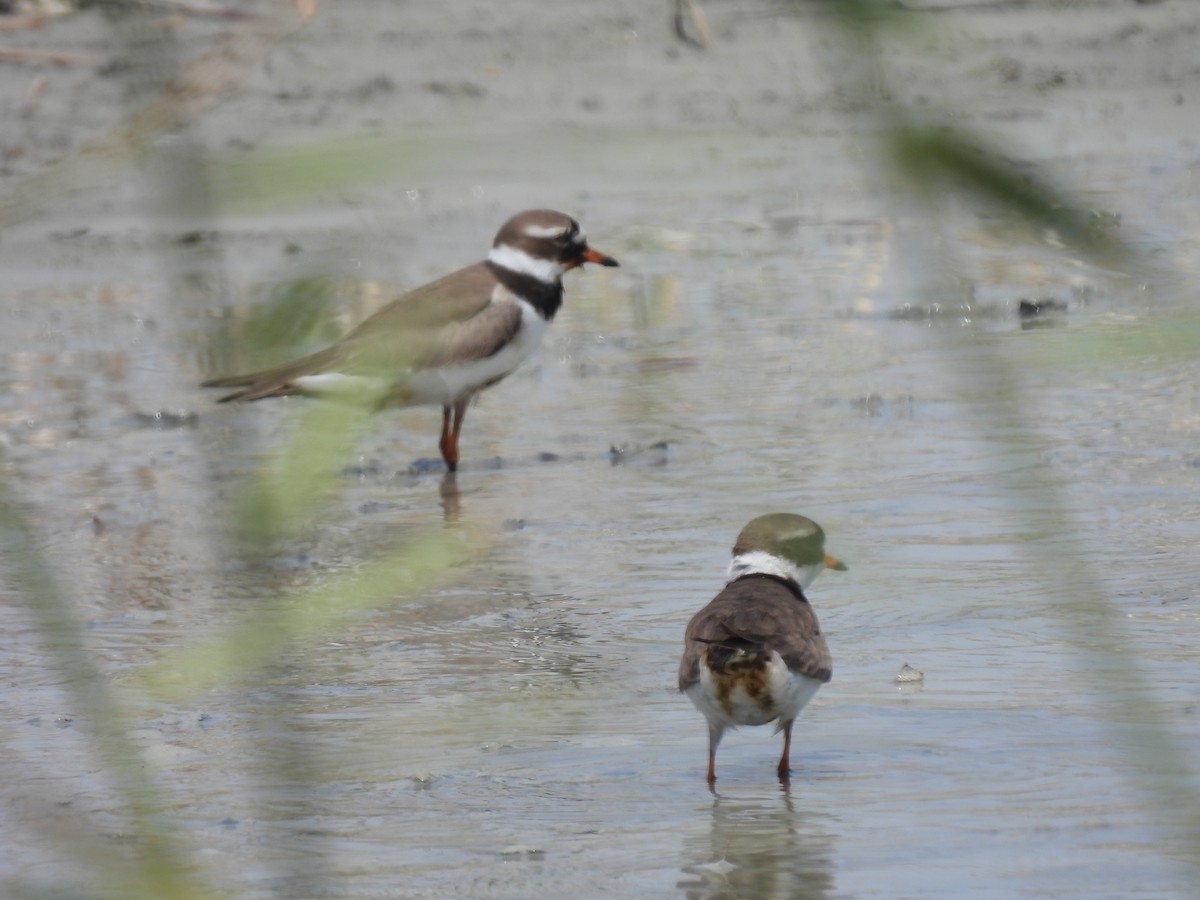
(299, 480)
(272, 176)
(312, 614)
(156, 867)
(297, 316)
(864, 15)
(1091, 620)
(1164, 337)
(934, 158)
(297, 312)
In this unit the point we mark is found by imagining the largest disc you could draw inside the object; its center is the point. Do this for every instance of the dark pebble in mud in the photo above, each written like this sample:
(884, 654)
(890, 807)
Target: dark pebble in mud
(57, 721)
(466, 89)
(425, 465)
(197, 238)
(296, 561)
(368, 469)
(1028, 309)
(651, 455)
(521, 851)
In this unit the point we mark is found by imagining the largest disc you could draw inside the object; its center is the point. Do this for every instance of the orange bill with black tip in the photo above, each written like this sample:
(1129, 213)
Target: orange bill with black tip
(600, 259)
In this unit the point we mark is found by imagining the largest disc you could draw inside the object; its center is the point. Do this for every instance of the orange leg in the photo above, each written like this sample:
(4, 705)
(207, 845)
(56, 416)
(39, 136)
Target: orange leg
(785, 769)
(445, 443)
(714, 738)
(451, 426)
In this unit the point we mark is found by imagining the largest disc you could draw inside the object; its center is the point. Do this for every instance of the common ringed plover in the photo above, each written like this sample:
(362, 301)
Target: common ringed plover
(444, 342)
(756, 654)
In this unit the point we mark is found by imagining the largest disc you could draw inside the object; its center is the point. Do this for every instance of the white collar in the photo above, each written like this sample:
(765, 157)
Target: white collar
(547, 271)
(759, 562)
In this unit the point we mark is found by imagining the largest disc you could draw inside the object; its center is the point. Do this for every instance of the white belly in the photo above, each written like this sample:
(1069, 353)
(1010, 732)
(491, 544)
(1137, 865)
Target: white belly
(448, 383)
(789, 693)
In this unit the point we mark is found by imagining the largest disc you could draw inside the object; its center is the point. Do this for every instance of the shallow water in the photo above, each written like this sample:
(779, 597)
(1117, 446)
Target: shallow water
(517, 733)
(514, 731)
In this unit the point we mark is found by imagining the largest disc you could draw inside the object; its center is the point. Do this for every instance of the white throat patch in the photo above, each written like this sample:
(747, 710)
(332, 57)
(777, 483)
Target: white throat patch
(547, 271)
(759, 562)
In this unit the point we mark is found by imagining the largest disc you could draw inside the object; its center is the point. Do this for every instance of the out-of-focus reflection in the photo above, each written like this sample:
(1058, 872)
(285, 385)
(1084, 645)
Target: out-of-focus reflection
(763, 848)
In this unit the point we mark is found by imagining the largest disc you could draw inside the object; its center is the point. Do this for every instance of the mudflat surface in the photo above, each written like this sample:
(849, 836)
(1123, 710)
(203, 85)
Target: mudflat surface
(1016, 499)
